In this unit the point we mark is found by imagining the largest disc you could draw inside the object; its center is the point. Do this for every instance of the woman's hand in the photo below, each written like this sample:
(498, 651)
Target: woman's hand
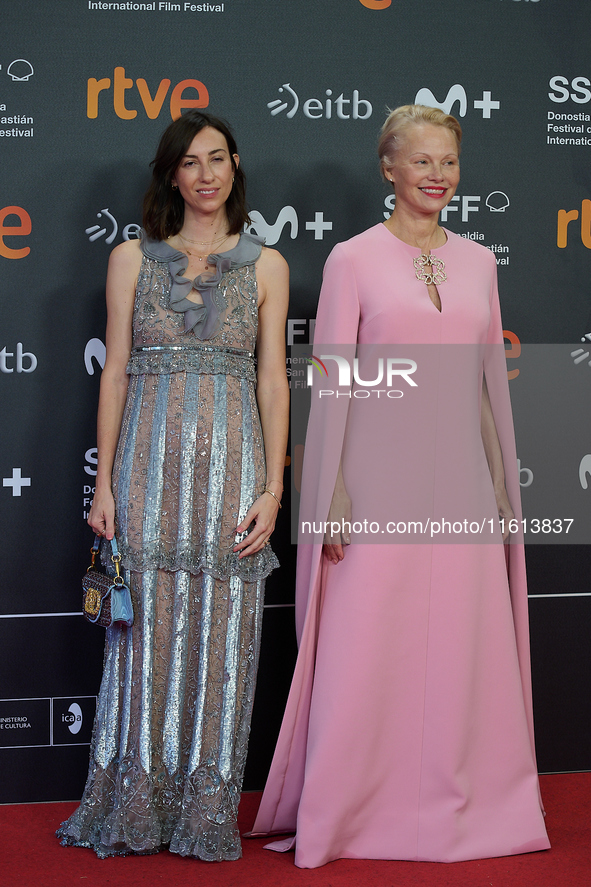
(505, 511)
(333, 553)
(338, 515)
(263, 513)
(102, 514)
(494, 457)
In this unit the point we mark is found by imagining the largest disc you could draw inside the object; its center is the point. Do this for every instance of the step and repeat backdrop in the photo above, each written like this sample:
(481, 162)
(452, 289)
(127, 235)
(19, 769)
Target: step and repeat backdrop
(86, 88)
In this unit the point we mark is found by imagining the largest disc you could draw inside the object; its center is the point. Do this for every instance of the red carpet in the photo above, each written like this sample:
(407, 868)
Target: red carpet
(31, 856)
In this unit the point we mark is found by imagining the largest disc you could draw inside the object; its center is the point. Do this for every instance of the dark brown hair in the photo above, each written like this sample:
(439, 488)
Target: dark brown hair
(164, 208)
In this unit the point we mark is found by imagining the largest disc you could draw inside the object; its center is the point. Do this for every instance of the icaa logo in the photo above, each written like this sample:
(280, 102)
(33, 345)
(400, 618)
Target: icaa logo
(73, 718)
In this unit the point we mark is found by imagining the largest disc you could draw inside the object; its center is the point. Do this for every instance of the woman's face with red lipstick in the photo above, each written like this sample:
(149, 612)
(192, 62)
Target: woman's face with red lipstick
(426, 170)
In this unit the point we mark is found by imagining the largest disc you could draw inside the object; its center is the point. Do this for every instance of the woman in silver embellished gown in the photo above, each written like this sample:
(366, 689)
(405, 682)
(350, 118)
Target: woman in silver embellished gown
(190, 467)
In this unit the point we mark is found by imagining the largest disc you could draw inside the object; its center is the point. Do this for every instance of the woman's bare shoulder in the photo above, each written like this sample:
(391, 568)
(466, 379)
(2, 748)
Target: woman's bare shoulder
(126, 256)
(272, 262)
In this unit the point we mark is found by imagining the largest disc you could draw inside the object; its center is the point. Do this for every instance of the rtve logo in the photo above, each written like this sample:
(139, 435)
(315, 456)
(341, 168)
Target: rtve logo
(21, 230)
(565, 217)
(457, 93)
(152, 104)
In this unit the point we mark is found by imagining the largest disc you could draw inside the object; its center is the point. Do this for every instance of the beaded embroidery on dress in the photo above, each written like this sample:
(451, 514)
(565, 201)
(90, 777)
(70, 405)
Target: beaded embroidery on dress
(173, 714)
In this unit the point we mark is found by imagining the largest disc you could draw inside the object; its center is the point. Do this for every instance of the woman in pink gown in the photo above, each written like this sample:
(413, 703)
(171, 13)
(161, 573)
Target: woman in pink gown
(408, 732)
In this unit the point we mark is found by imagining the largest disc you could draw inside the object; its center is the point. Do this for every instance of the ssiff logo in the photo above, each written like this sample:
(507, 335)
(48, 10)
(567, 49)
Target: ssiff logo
(562, 86)
(496, 202)
(20, 70)
(152, 104)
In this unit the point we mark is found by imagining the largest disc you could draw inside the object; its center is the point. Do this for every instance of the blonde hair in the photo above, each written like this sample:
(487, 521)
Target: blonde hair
(398, 121)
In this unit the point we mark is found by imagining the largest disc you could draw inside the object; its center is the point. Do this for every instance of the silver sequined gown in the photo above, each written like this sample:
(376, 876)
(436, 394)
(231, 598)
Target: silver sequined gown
(173, 716)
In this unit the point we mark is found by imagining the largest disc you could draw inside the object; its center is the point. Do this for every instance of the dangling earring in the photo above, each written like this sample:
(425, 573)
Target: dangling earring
(232, 179)
(174, 186)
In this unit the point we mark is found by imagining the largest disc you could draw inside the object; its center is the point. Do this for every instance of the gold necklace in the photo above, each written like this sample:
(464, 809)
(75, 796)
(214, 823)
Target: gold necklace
(199, 256)
(203, 242)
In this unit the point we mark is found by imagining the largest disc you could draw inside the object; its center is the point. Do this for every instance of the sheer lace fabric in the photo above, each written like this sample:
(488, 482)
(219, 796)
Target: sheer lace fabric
(170, 737)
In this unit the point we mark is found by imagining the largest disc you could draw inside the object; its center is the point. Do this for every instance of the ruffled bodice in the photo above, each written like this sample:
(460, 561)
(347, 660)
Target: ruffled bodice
(172, 333)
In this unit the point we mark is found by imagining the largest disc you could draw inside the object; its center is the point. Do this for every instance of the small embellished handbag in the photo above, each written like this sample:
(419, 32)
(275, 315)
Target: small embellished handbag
(106, 600)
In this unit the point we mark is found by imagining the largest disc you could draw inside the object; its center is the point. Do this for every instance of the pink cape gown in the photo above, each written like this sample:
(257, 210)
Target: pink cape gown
(408, 732)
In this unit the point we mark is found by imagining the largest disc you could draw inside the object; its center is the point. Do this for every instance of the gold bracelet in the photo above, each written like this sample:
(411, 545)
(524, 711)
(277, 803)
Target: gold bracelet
(271, 493)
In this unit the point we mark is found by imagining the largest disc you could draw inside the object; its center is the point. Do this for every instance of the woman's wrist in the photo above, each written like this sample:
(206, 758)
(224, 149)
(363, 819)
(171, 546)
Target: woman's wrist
(274, 484)
(103, 486)
(274, 495)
